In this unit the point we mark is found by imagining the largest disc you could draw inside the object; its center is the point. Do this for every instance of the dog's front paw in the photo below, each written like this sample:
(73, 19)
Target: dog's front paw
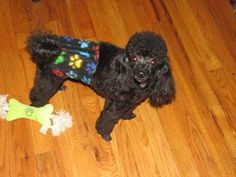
(38, 103)
(128, 116)
(107, 137)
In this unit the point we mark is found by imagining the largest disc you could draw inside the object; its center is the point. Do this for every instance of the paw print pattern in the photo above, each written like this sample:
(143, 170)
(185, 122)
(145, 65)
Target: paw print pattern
(84, 54)
(58, 73)
(29, 111)
(91, 68)
(78, 59)
(84, 44)
(86, 80)
(71, 74)
(60, 59)
(75, 61)
(68, 39)
(96, 49)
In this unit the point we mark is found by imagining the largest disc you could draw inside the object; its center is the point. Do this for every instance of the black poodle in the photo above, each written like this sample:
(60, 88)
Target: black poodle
(124, 77)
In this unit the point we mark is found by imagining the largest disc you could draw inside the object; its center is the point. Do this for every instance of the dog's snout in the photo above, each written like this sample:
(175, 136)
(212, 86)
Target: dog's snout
(140, 69)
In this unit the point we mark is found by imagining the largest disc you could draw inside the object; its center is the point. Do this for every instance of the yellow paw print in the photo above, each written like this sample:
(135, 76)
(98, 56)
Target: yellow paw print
(75, 61)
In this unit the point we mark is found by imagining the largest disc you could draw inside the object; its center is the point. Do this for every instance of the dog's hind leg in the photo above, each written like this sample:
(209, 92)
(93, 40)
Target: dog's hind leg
(46, 84)
(62, 87)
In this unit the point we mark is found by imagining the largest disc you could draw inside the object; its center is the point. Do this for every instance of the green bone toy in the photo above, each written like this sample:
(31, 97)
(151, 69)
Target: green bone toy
(57, 122)
(18, 110)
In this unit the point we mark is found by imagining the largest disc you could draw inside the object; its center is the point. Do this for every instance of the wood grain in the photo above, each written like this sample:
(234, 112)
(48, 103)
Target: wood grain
(195, 136)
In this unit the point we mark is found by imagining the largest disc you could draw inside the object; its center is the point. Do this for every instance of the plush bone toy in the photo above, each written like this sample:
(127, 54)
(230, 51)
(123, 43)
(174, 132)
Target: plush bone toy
(15, 110)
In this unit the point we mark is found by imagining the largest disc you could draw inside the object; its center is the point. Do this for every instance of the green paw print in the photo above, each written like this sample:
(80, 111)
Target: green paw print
(60, 58)
(75, 61)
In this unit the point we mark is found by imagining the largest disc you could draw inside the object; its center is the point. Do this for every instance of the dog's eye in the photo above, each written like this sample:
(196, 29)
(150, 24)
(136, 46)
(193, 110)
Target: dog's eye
(153, 61)
(133, 59)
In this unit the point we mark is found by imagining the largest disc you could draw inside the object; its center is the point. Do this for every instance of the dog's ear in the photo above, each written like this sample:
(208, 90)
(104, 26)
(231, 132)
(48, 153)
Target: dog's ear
(119, 65)
(162, 86)
(119, 76)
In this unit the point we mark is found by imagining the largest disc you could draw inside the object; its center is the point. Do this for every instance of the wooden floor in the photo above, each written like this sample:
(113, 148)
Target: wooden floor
(195, 136)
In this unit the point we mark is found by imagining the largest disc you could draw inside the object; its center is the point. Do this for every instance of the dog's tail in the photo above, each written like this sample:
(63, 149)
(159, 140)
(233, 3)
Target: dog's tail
(43, 47)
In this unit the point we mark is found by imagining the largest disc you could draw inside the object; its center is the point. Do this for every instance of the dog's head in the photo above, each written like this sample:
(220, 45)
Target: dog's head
(146, 54)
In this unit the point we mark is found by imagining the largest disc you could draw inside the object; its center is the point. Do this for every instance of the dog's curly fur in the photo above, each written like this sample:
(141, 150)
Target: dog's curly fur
(124, 77)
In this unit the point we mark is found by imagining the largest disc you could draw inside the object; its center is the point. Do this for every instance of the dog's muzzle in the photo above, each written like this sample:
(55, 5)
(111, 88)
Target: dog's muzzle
(142, 77)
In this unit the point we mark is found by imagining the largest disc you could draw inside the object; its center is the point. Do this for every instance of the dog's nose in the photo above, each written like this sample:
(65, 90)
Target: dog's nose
(141, 73)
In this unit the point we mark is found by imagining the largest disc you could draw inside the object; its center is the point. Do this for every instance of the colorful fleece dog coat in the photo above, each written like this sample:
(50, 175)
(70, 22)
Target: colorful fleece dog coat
(78, 59)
